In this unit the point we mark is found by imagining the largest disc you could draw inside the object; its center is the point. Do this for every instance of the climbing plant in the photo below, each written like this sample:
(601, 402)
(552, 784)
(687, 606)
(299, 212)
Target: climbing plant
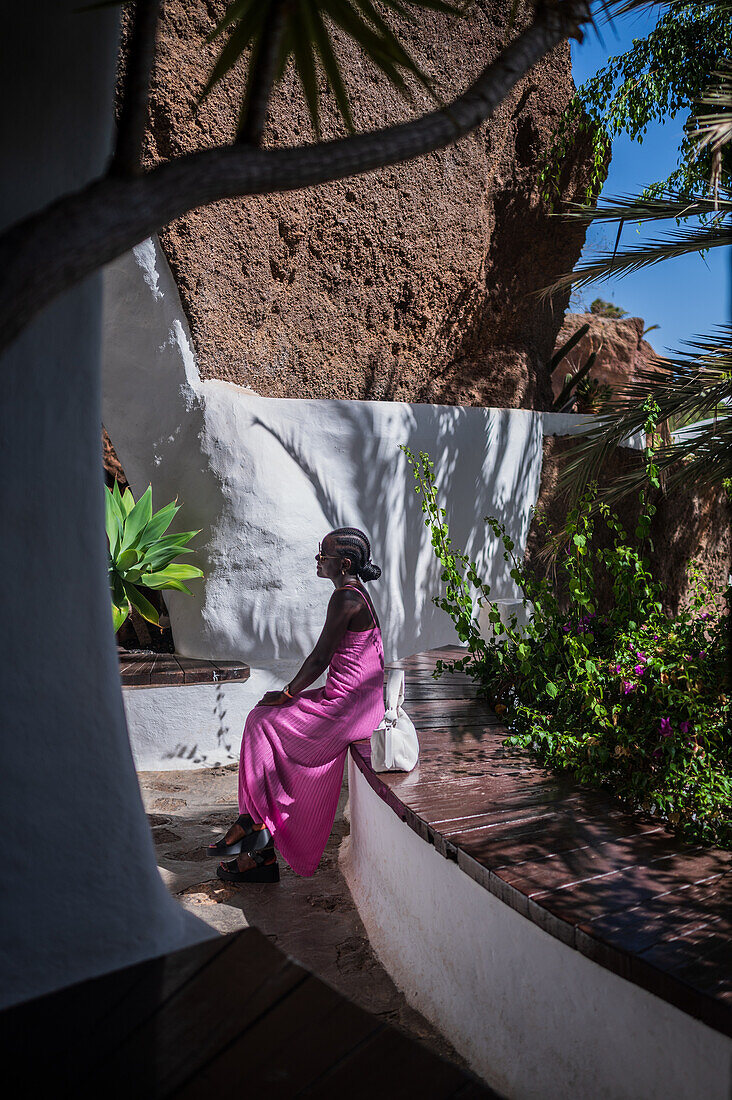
(662, 75)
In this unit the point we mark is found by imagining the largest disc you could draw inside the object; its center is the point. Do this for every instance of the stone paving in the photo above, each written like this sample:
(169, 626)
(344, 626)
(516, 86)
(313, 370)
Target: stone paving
(313, 920)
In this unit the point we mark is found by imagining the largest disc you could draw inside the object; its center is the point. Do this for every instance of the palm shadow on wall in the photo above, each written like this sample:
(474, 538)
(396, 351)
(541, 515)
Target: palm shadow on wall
(477, 474)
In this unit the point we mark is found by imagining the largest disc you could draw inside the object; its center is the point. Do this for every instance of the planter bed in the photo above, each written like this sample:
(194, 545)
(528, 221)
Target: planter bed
(149, 669)
(183, 711)
(568, 948)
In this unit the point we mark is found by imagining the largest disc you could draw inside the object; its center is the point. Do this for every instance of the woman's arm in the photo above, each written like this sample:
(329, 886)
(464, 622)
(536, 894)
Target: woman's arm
(341, 609)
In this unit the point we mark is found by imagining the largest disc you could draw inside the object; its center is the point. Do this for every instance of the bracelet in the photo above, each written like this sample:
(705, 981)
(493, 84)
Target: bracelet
(286, 691)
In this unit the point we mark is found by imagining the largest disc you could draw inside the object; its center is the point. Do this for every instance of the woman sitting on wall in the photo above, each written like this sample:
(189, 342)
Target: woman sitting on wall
(295, 741)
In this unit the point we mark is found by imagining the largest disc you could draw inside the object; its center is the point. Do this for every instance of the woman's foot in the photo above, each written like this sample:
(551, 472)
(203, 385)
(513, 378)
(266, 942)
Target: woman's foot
(236, 832)
(257, 867)
(243, 836)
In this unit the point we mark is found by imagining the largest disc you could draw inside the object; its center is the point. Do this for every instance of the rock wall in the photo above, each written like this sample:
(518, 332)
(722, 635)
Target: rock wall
(413, 283)
(620, 347)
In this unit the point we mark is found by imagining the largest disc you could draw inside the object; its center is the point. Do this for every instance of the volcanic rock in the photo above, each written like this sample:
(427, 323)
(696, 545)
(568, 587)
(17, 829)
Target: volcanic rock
(411, 283)
(619, 344)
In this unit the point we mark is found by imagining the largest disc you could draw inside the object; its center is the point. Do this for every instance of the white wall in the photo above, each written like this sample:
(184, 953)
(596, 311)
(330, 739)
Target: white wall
(535, 1018)
(266, 479)
(191, 726)
(80, 889)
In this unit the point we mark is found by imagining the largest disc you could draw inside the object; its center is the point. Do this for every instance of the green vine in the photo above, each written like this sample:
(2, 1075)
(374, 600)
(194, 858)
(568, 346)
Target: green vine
(623, 696)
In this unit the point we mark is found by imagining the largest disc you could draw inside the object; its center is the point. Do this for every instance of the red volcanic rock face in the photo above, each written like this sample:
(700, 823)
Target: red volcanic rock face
(621, 349)
(412, 283)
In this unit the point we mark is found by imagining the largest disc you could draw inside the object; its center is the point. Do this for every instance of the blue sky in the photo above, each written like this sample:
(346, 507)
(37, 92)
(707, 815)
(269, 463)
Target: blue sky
(687, 296)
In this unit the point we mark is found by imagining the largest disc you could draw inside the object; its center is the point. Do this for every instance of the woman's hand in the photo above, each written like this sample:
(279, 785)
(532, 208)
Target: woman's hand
(273, 699)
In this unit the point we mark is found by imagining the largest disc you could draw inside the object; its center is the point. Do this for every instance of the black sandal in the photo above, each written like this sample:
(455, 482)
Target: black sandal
(252, 841)
(266, 868)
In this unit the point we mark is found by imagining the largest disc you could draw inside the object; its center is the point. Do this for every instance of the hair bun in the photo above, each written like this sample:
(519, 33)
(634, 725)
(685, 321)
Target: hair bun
(369, 571)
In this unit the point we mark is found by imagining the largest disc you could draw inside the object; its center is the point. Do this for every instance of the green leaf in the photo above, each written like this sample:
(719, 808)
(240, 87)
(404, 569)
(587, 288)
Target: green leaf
(137, 520)
(159, 558)
(119, 614)
(159, 523)
(164, 577)
(126, 560)
(128, 502)
(117, 498)
(112, 521)
(140, 602)
(552, 690)
(172, 584)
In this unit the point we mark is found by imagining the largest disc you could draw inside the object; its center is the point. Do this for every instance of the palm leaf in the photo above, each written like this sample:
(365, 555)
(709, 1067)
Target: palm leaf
(677, 242)
(695, 385)
(305, 36)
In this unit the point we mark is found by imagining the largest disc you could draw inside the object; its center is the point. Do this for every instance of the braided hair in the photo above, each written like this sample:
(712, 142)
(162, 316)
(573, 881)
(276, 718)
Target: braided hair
(352, 543)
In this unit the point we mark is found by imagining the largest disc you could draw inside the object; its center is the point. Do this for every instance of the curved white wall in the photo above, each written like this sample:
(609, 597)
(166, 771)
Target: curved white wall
(536, 1019)
(81, 893)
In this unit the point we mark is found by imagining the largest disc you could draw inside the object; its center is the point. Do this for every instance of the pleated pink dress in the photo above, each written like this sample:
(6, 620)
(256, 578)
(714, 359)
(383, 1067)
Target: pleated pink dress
(292, 755)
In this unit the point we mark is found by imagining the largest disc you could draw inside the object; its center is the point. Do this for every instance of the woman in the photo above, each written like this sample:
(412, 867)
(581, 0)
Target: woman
(295, 741)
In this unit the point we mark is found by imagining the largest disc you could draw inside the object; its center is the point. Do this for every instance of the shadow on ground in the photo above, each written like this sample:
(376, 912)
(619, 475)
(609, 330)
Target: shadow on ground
(313, 920)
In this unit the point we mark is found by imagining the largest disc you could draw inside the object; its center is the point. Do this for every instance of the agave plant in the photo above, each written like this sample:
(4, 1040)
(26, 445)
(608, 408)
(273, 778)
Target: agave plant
(141, 555)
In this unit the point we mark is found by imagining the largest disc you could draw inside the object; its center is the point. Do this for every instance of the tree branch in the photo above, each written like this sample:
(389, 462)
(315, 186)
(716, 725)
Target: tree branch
(127, 159)
(56, 248)
(262, 77)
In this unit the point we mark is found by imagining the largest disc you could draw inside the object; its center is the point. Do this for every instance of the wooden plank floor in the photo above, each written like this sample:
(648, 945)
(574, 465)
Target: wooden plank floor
(230, 1018)
(615, 885)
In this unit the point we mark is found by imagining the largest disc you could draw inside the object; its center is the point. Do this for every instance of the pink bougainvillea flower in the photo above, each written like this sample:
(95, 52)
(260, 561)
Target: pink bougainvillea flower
(702, 654)
(685, 728)
(639, 670)
(665, 728)
(628, 687)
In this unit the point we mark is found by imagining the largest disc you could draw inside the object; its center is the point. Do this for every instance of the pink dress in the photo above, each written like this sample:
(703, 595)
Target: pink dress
(292, 755)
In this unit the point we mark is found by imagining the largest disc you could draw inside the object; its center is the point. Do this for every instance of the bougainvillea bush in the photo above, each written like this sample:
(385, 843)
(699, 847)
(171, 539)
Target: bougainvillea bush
(622, 696)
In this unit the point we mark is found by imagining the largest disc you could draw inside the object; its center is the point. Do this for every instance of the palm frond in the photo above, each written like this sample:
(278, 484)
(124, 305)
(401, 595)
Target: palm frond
(632, 208)
(714, 128)
(677, 242)
(696, 386)
(307, 39)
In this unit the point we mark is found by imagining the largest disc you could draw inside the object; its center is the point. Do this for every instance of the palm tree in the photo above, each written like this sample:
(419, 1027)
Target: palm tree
(689, 395)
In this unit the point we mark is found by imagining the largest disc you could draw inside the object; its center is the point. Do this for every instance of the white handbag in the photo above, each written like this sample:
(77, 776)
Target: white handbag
(394, 743)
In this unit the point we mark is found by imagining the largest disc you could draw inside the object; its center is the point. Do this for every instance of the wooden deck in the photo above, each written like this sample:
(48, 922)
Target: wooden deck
(616, 886)
(148, 669)
(230, 1018)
